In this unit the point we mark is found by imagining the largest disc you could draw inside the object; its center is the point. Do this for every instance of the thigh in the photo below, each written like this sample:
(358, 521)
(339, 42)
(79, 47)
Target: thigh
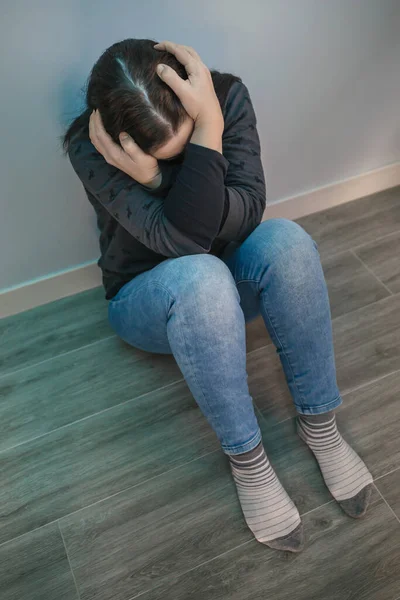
(138, 313)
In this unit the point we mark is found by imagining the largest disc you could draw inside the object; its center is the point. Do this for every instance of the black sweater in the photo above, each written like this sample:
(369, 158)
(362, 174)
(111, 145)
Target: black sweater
(205, 201)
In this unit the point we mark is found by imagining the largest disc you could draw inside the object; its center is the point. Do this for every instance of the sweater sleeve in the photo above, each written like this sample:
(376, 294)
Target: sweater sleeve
(245, 189)
(185, 221)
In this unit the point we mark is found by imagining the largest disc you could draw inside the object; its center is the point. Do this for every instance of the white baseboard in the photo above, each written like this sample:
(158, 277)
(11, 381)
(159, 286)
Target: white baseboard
(67, 283)
(335, 193)
(47, 289)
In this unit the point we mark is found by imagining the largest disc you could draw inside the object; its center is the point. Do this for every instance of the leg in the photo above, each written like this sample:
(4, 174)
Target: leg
(190, 306)
(278, 271)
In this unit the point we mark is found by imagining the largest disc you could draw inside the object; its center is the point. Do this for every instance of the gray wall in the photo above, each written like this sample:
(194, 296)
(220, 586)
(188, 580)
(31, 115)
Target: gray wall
(324, 76)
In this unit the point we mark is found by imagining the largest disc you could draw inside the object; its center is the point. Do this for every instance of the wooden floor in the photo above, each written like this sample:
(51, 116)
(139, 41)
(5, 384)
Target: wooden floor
(112, 483)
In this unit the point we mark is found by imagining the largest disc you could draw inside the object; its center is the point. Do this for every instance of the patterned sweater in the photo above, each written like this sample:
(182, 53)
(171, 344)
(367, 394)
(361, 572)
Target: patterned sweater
(206, 200)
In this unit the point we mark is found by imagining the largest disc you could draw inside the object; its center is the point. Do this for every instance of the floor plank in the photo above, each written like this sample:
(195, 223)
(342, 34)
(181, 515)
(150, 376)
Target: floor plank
(144, 536)
(44, 397)
(369, 420)
(354, 223)
(382, 257)
(52, 329)
(35, 567)
(389, 486)
(122, 546)
(350, 285)
(257, 335)
(75, 466)
(367, 343)
(267, 385)
(343, 558)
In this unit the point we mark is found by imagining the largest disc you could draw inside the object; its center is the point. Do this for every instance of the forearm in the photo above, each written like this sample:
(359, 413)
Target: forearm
(195, 202)
(154, 183)
(209, 136)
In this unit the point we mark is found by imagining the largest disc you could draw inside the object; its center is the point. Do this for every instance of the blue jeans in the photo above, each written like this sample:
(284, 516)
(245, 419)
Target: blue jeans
(196, 306)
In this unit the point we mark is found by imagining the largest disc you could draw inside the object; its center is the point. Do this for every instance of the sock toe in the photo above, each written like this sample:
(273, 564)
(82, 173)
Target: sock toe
(346, 475)
(356, 507)
(293, 542)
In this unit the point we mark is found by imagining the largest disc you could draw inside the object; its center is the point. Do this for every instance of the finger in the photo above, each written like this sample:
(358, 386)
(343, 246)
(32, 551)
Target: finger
(93, 131)
(190, 63)
(175, 82)
(108, 147)
(102, 141)
(91, 126)
(192, 52)
(94, 128)
(130, 146)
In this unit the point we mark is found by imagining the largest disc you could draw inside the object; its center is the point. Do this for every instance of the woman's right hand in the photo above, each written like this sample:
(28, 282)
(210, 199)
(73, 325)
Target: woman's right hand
(196, 93)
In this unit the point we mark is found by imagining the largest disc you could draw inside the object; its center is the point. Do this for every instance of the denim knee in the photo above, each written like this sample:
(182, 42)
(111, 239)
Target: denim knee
(281, 241)
(285, 233)
(204, 276)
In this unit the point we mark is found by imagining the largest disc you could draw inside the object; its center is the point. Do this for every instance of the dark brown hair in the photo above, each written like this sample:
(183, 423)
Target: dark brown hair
(124, 86)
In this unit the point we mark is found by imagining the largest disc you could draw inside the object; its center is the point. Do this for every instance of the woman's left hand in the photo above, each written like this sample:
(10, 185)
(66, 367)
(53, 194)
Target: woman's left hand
(130, 159)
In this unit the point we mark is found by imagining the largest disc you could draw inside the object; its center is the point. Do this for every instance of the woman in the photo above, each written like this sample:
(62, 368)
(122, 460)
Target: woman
(186, 262)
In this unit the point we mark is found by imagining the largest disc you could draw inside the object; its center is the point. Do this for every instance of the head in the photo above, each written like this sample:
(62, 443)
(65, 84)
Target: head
(124, 86)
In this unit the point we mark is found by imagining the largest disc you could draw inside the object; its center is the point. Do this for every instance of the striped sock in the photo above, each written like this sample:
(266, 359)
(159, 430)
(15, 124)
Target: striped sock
(345, 474)
(268, 510)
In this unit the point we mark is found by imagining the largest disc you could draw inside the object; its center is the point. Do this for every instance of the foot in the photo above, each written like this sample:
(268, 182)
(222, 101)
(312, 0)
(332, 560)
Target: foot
(268, 510)
(293, 542)
(345, 474)
(356, 506)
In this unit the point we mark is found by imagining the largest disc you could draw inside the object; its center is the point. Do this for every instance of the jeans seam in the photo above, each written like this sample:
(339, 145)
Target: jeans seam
(278, 338)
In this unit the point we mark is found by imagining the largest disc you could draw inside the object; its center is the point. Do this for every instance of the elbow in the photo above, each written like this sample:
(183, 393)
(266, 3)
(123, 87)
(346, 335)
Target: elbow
(193, 247)
(174, 247)
(174, 242)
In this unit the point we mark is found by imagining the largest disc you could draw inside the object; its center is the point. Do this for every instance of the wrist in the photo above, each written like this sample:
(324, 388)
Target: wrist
(214, 121)
(155, 182)
(208, 135)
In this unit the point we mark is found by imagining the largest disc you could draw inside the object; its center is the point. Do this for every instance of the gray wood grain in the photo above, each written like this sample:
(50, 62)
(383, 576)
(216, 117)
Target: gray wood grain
(354, 223)
(144, 536)
(383, 258)
(74, 466)
(367, 343)
(369, 420)
(267, 385)
(35, 567)
(46, 331)
(123, 545)
(257, 335)
(350, 285)
(389, 487)
(344, 558)
(53, 394)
